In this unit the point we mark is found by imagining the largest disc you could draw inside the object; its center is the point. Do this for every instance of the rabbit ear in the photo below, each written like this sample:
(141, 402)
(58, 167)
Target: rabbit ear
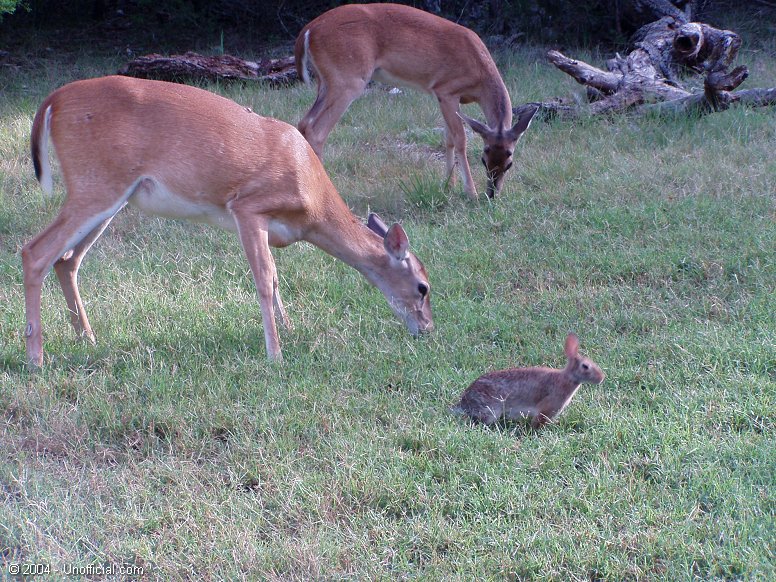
(572, 346)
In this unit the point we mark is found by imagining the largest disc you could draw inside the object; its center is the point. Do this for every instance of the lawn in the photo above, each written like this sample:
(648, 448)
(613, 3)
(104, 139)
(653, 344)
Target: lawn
(174, 447)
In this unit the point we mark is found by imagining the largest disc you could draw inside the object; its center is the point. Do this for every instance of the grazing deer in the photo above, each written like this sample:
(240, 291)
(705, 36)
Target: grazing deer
(181, 152)
(348, 46)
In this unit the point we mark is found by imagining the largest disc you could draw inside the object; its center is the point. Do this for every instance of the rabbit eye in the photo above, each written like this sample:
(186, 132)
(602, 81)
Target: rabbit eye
(585, 367)
(422, 289)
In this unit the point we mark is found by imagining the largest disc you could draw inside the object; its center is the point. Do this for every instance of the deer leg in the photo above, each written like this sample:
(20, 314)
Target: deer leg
(327, 110)
(315, 110)
(68, 229)
(254, 238)
(66, 269)
(451, 177)
(281, 310)
(457, 134)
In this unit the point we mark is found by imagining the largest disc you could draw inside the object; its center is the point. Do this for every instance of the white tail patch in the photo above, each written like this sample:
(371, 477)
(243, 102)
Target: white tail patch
(46, 179)
(306, 59)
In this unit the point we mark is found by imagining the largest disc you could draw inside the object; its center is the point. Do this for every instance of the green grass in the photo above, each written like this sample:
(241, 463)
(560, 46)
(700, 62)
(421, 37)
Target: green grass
(174, 446)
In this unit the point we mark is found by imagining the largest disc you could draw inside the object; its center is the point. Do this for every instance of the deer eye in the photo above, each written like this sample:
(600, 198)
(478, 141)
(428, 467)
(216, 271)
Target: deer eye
(422, 289)
(585, 367)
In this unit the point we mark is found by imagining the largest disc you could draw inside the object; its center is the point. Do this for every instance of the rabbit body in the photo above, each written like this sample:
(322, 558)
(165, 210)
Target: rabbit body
(538, 393)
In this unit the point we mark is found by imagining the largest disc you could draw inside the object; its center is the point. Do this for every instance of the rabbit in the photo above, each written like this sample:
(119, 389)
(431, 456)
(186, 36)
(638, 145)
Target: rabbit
(539, 393)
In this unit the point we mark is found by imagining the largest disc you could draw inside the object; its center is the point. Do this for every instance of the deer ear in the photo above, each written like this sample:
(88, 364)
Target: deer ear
(572, 346)
(525, 115)
(477, 127)
(376, 225)
(396, 242)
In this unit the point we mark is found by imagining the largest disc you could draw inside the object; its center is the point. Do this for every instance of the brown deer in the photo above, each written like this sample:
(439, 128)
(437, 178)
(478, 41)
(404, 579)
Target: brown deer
(350, 45)
(177, 151)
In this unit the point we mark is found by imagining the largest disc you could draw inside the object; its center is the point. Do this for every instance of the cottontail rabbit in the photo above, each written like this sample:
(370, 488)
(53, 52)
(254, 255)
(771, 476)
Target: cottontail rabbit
(539, 393)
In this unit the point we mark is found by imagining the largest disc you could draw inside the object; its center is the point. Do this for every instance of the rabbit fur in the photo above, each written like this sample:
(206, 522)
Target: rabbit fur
(538, 393)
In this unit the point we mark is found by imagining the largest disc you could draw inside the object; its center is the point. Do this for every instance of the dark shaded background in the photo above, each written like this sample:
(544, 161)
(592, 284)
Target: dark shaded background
(251, 25)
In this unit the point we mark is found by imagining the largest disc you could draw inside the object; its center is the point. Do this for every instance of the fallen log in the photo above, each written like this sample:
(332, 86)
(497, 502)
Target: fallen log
(698, 103)
(192, 66)
(650, 78)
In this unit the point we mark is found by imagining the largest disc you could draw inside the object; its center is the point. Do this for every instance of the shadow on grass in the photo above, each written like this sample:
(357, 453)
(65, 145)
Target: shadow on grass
(171, 346)
(521, 428)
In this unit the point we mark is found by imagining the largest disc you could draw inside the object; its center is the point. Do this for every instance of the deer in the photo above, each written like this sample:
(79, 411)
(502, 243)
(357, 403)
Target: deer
(181, 152)
(350, 45)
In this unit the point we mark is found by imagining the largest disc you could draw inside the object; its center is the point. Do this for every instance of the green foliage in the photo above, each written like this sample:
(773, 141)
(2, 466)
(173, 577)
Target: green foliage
(9, 6)
(424, 192)
(173, 446)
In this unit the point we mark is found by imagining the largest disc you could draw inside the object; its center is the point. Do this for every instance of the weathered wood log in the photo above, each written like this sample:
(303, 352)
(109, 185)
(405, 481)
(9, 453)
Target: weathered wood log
(694, 103)
(557, 108)
(606, 82)
(697, 103)
(647, 79)
(193, 66)
(755, 97)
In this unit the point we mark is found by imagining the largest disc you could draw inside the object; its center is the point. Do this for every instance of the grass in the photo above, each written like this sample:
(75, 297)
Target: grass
(172, 445)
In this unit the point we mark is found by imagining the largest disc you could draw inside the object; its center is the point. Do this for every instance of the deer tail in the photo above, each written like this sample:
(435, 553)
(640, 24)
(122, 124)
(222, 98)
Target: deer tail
(41, 128)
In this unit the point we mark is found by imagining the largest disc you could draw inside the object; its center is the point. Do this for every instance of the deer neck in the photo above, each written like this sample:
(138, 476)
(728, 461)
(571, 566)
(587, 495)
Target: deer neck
(495, 103)
(345, 237)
